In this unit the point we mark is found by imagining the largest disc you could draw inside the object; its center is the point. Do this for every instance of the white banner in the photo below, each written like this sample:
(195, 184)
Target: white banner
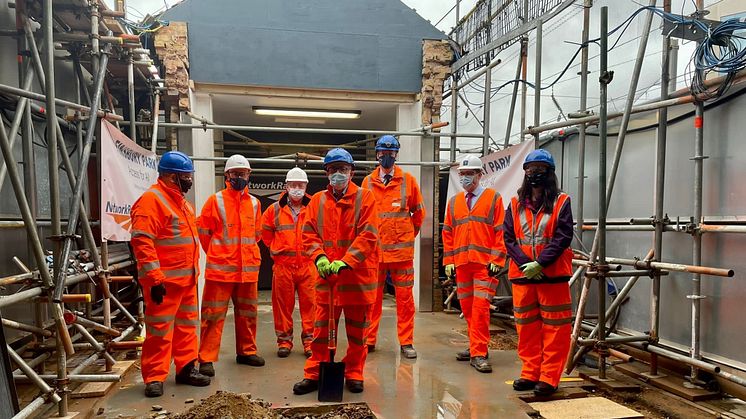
(503, 171)
(127, 170)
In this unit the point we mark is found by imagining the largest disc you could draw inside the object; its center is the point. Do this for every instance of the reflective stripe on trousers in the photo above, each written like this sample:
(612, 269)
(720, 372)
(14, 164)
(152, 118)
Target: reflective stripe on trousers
(402, 275)
(475, 289)
(215, 298)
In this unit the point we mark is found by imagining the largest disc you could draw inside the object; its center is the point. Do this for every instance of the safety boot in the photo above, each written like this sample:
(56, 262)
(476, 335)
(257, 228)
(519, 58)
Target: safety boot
(408, 352)
(543, 389)
(523, 384)
(481, 364)
(191, 376)
(206, 368)
(355, 386)
(253, 360)
(283, 352)
(465, 355)
(154, 389)
(305, 386)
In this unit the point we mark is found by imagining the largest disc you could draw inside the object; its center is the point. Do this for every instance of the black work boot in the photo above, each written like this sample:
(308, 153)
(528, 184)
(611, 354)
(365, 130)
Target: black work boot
(191, 376)
(154, 389)
(355, 386)
(371, 348)
(543, 389)
(206, 368)
(283, 352)
(305, 386)
(481, 364)
(523, 384)
(464, 355)
(253, 360)
(408, 352)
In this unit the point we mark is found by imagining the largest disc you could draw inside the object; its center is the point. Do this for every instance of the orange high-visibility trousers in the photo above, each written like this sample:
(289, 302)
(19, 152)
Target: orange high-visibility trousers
(402, 275)
(543, 317)
(171, 331)
(286, 280)
(356, 325)
(475, 289)
(214, 308)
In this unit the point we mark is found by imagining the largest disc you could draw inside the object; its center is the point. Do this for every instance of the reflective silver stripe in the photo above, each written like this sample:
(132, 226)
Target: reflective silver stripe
(322, 286)
(150, 266)
(321, 341)
(498, 228)
(175, 241)
(418, 207)
(356, 324)
(175, 229)
(358, 206)
(289, 253)
(308, 228)
(312, 248)
(247, 301)
(483, 294)
(223, 215)
(328, 243)
(250, 269)
(204, 231)
(160, 319)
(277, 210)
(285, 227)
(557, 322)
(528, 320)
(371, 229)
(477, 248)
(137, 233)
(487, 284)
(449, 253)
(366, 182)
(267, 228)
(221, 268)
(186, 322)
(526, 309)
(175, 273)
(396, 214)
(404, 245)
(451, 206)
(214, 317)
(402, 271)
(248, 240)
(320, 216)
(285, 338)
(354, 340)
(186, 308)
(404, 193)
(215, 304)
(150, 330)
(247, 313)
(320, 323)
(357, 287)
(357, 254)
(465, 294)
(447, 228)
(555, 309)
(344, 243)
(257, 206)
(404, 283)
(224, 241)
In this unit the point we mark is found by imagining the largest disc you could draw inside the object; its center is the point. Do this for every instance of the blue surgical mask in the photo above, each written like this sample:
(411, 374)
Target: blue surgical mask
(238, 183)
(339, 180)
(467, 181)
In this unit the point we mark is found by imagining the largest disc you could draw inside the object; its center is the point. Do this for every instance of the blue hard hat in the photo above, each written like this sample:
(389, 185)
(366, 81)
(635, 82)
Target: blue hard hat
(539, 156)
(387, 143)
(338, 155)
(175, 162)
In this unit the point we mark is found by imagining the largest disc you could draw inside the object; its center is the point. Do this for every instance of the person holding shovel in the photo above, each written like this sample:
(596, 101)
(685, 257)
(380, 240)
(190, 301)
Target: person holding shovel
(340, 233)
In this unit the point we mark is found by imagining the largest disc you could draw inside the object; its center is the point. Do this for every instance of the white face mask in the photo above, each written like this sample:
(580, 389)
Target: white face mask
(339, 180)
(467, 181)
(296, 193)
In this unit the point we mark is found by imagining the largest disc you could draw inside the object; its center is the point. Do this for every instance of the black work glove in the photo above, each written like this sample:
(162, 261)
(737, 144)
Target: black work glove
(157, 292)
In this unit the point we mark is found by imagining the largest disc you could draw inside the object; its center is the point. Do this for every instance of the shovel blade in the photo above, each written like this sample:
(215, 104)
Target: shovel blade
(331, 381)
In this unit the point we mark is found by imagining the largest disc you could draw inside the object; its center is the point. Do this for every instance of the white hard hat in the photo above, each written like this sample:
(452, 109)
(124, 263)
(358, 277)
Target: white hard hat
(296, 174)
(470, 162)
(237, 161)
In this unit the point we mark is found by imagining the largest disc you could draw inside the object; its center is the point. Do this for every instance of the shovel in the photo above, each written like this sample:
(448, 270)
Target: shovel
(331, 374)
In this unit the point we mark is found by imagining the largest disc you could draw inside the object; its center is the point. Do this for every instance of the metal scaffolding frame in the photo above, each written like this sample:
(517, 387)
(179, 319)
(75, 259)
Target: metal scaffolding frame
(597, 266)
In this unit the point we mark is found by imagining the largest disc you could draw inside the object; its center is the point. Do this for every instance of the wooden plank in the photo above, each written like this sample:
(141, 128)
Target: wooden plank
(585, 408)
(88, 390)
(610, 384)
(671, 383)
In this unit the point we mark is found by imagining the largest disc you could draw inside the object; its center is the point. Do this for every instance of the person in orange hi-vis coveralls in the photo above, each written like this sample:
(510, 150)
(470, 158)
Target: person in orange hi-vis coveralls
(474, 250)
(538, 235)
(164, 240)
(229, 230)
(340, 233)
(293, 270)
(400, 213)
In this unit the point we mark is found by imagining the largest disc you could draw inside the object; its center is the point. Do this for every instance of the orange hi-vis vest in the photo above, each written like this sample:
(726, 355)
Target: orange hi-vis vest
(164, 237)
(346, 230)
(476, 235)
(283, 234)
(533, 232)
(400, 213)
(230, 228)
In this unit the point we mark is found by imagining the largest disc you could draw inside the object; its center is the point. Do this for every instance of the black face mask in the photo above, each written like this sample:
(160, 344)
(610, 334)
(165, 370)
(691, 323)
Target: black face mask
(184, 185)
(387, 161)
(238, 183)
(538, 179)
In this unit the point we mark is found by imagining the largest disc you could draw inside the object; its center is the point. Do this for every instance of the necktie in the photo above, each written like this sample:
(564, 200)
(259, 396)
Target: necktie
(386, 179)
(469, 197)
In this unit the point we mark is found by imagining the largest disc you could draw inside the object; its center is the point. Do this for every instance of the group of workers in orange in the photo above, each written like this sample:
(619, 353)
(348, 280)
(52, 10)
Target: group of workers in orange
(346, 239)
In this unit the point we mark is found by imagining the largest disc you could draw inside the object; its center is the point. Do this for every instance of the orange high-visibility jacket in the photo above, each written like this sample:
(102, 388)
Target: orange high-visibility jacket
(400, 213)
(474, 236)
(533, 232)
(164, 237)
(283, 234)
(345, 230)
(230, 228)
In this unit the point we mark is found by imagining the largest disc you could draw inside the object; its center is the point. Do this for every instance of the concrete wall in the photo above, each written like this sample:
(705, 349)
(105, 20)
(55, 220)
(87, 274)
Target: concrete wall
(723, 331)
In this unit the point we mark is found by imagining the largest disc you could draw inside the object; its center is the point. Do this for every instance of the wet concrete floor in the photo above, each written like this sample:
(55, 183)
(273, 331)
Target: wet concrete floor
(434, 385)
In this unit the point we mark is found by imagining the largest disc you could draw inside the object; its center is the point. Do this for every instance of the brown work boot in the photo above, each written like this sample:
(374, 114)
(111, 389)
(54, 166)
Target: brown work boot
(191, 376)
(154, 389)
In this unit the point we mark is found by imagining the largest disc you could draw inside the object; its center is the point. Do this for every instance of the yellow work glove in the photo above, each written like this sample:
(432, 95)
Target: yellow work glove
(532, 270)
(494, 268)
(450, 270)
(323, 266)
(337, 266)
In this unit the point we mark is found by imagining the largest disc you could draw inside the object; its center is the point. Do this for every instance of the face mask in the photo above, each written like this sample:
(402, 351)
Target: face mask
(537, 179)
(184, 185)
(238, 183)
(387, 161)
(296, 194)
(338, 180)
(467, 181)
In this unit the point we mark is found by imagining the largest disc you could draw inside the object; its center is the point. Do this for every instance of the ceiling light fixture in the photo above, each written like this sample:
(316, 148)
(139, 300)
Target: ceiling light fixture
(307, 113)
